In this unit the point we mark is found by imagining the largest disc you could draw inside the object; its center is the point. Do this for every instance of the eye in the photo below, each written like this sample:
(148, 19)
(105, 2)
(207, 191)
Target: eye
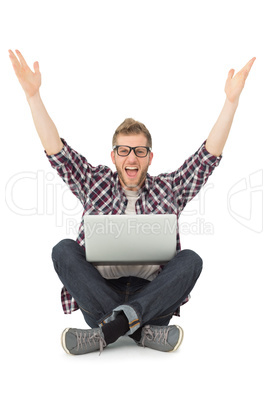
(141, 151)
(123, 151)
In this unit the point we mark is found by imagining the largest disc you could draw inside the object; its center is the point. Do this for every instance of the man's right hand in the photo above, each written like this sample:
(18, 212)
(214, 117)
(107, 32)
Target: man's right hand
(29, 80)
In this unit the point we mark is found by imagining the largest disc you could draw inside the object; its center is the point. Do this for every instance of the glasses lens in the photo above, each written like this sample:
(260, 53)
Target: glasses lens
(141, 152)
(123, 151)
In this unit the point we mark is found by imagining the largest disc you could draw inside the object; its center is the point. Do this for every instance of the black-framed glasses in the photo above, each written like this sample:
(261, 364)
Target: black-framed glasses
(124, 150)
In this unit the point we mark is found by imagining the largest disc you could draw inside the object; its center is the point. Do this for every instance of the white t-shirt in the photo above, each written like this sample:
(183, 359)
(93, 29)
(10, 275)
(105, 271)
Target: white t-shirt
(148, 272)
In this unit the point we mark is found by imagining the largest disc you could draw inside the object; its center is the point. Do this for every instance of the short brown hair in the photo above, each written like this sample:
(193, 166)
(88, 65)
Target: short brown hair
(131, 126)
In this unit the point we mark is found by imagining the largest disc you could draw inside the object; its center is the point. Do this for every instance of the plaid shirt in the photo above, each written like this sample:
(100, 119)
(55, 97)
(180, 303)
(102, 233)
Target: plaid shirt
(100, 192)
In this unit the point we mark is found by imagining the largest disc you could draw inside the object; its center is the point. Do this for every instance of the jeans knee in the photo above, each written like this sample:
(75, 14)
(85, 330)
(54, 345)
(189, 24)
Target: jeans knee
(195, 261)
(60, 248)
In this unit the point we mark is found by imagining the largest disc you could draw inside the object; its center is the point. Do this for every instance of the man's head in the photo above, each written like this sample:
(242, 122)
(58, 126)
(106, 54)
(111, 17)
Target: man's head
(132, 168)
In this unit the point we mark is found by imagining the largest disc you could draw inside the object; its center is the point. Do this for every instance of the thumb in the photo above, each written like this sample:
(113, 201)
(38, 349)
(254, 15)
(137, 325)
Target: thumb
(36, 67)
(231, 74)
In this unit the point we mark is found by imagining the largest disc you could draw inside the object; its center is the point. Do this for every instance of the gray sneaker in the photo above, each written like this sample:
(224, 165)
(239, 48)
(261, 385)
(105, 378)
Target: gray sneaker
(80, 341)
(165, 339)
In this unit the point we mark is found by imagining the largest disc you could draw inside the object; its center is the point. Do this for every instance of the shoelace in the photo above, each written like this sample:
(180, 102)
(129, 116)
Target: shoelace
(85, 339)
(156, 335)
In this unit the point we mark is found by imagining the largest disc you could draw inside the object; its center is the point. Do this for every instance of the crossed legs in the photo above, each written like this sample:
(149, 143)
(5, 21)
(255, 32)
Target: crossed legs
(102, 306)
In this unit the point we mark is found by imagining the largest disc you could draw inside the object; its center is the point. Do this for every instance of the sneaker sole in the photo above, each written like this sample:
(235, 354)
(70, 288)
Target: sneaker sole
(63, 344)
(179, 340)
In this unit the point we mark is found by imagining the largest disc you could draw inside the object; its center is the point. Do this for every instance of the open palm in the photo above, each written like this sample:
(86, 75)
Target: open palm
(29, 80)
(235, 84)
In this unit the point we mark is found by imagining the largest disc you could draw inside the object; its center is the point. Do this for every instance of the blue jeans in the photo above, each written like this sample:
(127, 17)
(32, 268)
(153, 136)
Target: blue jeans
(142, 301)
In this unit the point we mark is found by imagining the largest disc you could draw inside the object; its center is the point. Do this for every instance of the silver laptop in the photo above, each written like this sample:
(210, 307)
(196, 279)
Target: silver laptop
(130, 239)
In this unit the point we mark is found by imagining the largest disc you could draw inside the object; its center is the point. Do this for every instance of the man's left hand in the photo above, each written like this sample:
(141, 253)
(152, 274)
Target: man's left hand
(235, 84)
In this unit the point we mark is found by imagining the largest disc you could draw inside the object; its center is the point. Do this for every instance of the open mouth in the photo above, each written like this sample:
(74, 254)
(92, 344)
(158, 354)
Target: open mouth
(131, 171)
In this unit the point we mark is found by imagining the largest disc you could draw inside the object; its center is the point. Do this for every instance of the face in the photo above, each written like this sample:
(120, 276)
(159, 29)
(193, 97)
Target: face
(131, 169)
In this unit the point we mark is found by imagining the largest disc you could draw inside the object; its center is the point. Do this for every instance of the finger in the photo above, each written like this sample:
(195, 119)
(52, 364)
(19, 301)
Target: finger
(14, 61)
(248, 66)
(21, 59)
(250, 63)
(12, 56)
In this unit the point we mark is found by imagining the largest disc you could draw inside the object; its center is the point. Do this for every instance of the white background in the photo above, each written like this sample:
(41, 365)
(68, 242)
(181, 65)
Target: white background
(164, 63)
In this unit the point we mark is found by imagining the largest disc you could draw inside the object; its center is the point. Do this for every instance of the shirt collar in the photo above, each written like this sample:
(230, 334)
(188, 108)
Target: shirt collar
(148, 182)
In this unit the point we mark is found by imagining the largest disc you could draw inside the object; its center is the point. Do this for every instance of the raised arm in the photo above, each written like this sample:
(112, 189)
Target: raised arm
(233, 88)
(31, 82)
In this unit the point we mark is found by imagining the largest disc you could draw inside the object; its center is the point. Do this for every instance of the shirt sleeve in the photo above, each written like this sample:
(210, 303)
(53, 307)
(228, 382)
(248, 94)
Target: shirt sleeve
(75, 170)
(193, 174)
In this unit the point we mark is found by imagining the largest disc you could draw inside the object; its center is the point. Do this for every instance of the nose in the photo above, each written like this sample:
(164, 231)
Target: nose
(132, 156)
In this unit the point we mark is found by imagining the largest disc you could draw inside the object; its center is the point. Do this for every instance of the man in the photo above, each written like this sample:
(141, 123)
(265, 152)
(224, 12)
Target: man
(125, 300)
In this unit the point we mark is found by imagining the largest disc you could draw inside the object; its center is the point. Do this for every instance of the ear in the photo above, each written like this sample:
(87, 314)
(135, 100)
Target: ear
(151, 158)
(113, 157)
